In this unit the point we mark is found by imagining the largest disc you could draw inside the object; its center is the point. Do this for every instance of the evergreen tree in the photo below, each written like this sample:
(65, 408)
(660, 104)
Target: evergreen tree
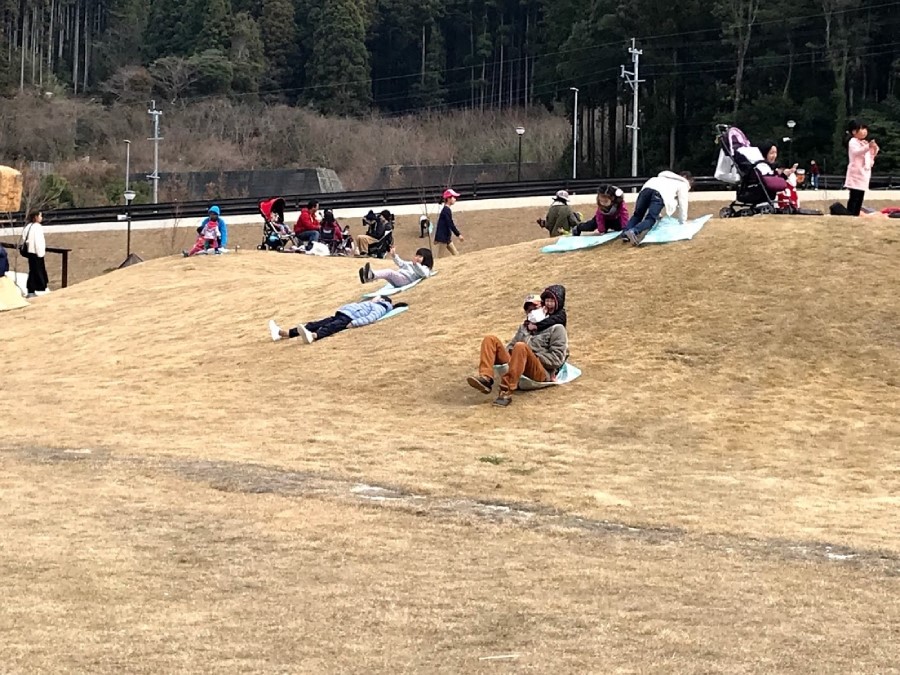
(217, 26)
(429, 91)
(246, 53)
(340, 76)
(164, 35)
(279, 36)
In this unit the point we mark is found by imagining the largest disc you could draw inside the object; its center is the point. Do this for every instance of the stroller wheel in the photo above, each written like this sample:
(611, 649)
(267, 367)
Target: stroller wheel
(765, 209)
(260, 247)
(726, 212)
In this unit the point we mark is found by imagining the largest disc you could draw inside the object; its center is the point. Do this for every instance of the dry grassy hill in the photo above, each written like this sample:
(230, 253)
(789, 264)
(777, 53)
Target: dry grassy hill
(719, 491)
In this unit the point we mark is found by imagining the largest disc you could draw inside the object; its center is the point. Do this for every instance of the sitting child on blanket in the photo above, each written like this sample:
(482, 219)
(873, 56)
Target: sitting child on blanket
(407, 271)
(209, 238)
(353, 315)
(537, 351)
(611, 215)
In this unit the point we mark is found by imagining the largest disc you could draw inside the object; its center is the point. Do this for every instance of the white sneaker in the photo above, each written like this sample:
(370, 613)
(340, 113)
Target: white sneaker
(274, 330)
(305, 335)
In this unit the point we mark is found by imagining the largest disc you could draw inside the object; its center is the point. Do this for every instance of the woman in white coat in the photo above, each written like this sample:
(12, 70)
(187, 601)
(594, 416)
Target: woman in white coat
(35, 250)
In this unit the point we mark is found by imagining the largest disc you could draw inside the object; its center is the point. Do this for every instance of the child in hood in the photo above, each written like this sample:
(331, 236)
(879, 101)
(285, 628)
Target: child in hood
(212, 233)
(352, 315)
(537, 355)
(407, 271)
(551, 312)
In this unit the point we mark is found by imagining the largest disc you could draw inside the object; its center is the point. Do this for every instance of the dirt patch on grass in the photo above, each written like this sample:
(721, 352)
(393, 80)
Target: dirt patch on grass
(107, 566)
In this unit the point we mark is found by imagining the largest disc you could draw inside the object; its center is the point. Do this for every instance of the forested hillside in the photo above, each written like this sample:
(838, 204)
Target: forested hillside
(754, 62)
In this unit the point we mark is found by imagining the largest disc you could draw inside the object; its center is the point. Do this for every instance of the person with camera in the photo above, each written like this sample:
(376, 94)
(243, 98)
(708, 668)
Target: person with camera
(377, 226)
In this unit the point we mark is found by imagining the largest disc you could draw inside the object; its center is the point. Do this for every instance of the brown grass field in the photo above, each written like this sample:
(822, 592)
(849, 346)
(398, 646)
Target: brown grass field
(719, 492)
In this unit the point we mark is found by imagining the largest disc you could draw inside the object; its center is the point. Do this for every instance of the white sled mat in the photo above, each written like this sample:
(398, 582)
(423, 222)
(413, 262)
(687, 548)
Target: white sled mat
(389, 289)
(668, 229)
(393, 312)
(566, 244)
(565, 375)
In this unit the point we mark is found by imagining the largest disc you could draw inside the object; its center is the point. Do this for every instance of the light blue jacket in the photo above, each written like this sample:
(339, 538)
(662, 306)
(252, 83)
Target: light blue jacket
(366, 312)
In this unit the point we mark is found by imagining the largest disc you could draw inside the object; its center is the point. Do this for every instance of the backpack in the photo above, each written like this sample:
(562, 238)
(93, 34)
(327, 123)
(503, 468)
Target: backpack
(838, 209)
(23, 247)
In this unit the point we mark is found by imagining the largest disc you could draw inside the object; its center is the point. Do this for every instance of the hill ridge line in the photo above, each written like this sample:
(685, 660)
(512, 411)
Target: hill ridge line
(255, 478)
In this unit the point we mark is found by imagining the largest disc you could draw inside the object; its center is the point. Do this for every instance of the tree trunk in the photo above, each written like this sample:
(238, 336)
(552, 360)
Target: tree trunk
(673, 107)
(75, 51)
(88, 39)
(22, 51)
(790, 68)
(50, 37)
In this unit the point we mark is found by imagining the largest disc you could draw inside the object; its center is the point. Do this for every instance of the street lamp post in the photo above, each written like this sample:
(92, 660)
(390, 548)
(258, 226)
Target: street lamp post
(575, 135)
(790, 125)
(127, 164)
(130, 258)
(520, 131)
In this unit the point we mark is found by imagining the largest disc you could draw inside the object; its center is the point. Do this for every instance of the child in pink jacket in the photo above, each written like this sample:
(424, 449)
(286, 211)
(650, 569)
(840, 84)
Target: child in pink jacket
(861, 154)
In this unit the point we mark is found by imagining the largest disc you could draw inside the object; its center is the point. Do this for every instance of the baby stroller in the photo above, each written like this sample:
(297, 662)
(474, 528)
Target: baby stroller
(743, 166)
(276, 235)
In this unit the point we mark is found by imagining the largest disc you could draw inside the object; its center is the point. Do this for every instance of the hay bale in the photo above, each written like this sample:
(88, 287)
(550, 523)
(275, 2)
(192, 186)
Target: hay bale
(10, 189)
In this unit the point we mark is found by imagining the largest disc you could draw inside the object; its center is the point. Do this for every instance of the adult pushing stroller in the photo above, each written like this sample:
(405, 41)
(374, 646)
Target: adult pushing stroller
(276, 235)
(759, 190)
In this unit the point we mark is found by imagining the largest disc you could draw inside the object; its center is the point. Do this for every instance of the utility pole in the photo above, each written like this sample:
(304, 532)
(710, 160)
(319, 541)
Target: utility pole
(153, 112)
(575, 134)
(633, 79)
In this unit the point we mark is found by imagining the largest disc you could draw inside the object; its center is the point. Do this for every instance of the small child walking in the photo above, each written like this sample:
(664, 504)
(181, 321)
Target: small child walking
(861, 155)
(407, 270)
(446, 228)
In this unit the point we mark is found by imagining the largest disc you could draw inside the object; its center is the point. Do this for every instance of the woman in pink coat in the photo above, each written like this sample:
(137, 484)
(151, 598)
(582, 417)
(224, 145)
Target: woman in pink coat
(861, 154)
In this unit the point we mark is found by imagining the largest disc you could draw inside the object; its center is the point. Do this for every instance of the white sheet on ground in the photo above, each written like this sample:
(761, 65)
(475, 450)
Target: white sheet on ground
(10, 296)
(393, 312)
(566, 244)
(668, 229)
(388, 289)
(565, 375)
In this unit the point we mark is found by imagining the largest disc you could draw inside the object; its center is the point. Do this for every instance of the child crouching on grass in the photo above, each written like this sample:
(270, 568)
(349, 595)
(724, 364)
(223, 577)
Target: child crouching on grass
(353, 315)
(407, 271)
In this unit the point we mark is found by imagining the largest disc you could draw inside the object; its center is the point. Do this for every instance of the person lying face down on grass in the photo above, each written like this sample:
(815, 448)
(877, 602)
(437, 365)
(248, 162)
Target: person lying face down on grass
(538, 355)
(407, 270)
(611, 214)
(353, 315)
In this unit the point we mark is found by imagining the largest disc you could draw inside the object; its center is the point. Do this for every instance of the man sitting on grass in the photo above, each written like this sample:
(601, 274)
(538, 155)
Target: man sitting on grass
(537, 351)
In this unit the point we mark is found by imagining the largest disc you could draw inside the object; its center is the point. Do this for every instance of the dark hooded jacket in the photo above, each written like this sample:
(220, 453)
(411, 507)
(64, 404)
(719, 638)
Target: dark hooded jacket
(550, 342)
(557, 291)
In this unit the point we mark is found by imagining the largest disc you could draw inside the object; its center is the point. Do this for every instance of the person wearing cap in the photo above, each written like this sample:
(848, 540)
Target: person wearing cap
(537, 351)
(611, 215)
(353, 315)
(446, 228)
(560, 217)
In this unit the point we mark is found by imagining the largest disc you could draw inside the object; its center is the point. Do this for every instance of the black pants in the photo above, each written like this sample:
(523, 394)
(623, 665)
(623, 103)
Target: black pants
(37, 274)
(854, 204)
(325, 327)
